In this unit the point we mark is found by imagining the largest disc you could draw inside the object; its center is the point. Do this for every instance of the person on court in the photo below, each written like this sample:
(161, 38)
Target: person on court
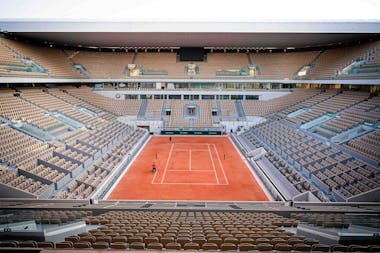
(154, 169)
(170, 139)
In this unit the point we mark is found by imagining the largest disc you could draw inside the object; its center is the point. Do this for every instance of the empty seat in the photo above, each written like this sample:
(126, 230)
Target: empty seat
(183, 240)
(246, 246)
(119, 238)
(9, 244)
(359, 248)
(302, 247)
(283, 247)
(150, 239)
(118, 245)
(105, 238)
(46, 245)
(199, 240)
(91, 239)
(247, 240)
(73, 238)
(137, 245)
(228, 246)
(215, 240)
(155, 245)
(82, 245)
(166, 239)
(173, 246)
(191, 246)
(64, 245)
(28, 244)
(135, 239)
(209, 246)
(100, 245)
(264, 247)
(231, 240)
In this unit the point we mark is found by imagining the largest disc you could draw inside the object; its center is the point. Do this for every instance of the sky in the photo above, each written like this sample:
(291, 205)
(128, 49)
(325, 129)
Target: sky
(191, 10)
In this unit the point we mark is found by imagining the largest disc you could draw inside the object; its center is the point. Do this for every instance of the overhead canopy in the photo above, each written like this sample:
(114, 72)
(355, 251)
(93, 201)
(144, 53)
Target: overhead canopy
(195, 34)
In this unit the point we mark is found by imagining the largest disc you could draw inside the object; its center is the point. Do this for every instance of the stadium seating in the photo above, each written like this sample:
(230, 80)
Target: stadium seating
(20, 59)
(330, 169)
(54, 61)
(281, 65)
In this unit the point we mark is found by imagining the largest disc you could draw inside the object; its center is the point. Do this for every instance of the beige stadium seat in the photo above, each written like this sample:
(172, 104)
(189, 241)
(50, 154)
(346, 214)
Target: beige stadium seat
(64, 245)
(100, 245)
(118, 245)
(264, 247)
(150, 239)
(283, 247)
(173, 246)
(28, 244)
(137, 245)
(155, 246)
(228, 247)
(210, 246)
(82, 245)
(46, 245)
(218, 241)
(246, 246)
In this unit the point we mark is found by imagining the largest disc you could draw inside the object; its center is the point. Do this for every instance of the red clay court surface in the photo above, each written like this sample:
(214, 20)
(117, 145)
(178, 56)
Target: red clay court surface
(189, 168)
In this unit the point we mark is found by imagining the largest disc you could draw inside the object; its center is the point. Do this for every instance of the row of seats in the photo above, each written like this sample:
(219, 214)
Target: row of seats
(367, 146)
(43, 171)
(266, 107)
(51, 103)
(331, 105)
(21, 182)
(287, 171)
(18, 148)
(279, 247)
(83, 186)
(116, 106)
(312, 157)
(57, 62)
(62, 94)
(51, 59)
(14, 109)
(43, 216)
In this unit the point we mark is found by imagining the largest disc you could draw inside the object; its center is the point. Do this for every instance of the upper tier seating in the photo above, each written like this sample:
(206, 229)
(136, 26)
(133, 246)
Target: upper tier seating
(265, 107)
(52, 104)
(281, 65)
(367, 146)
(328, 64)
(14, 108)
(53, 60)
(102, 64)
(119, 107)
(57, 63)
(333, 104)
(60, 93)
(20, 149)
(336, 170)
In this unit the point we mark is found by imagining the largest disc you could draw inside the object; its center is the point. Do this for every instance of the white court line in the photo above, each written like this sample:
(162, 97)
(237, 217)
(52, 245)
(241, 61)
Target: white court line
(185, 150)
(190, 159)
(185, 143)
(192, 183)
(167, 162)
(191, 170)
(221, 165)
(213, 165)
